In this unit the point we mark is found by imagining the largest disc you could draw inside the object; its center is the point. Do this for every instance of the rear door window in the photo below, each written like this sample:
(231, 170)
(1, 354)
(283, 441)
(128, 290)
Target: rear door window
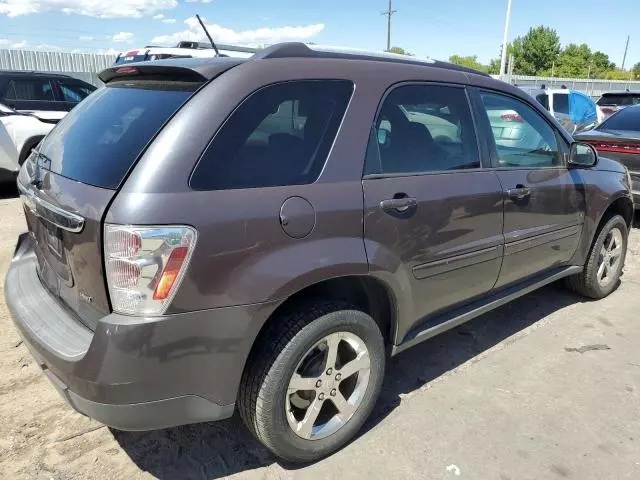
(30, 89)
(561, 103)
(99, 140)
(423, 128)
(280, 135)
(74, 93)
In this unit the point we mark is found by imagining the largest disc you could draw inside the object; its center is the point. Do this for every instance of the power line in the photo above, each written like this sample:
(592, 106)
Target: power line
(389, 13)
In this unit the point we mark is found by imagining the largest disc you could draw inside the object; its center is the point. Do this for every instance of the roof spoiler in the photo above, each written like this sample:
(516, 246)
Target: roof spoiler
(151, 71)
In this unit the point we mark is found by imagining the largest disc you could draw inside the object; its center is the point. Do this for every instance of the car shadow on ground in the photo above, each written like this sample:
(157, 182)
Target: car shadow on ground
(8, 190)
(218, 449)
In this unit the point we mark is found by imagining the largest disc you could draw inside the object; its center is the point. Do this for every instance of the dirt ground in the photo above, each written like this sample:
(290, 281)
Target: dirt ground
(546, 387)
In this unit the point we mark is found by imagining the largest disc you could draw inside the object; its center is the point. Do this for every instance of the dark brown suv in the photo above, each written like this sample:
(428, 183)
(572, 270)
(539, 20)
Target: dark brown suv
(260, 234)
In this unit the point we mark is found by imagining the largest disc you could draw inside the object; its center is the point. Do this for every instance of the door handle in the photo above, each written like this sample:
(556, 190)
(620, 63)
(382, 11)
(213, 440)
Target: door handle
(401, 205)
(519, 193)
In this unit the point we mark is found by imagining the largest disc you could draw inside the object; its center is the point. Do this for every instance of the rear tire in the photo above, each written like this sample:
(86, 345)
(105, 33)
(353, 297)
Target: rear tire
(297, 347)
(605, 263)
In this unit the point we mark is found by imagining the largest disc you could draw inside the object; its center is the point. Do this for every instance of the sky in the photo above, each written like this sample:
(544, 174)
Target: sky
(427, 28)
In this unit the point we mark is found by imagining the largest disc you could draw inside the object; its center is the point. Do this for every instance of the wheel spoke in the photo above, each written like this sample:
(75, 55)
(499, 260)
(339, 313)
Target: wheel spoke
(298, 383)
(602, 269)
(345, 409)
(361, 362)
(603, 252)
(305, 426)
(333, 341)
(615, 252)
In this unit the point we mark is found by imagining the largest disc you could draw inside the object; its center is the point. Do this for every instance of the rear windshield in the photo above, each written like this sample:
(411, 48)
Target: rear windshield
(627, 119)
(99, 140)
(619, 99)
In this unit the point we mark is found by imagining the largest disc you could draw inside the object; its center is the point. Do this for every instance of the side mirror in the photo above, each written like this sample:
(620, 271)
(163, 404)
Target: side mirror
(582, 155)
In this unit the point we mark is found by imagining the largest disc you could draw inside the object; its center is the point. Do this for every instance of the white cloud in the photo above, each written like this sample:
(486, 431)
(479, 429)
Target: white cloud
(226, 35)
(110, 51)
(169, 20)
(123, 37)
(86, 38)
(46, 46)
(21, 44)
(198, 1)
(159, 16)
(90, 8)
(4, 41)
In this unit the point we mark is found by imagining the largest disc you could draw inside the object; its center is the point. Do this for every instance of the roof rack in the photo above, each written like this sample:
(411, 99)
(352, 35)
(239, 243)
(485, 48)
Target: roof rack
(302, 50)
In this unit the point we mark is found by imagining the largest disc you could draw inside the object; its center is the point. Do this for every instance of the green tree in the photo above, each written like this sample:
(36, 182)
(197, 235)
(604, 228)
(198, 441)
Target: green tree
(636, 71)
(400, 51)
(470, 61)
(536, 51)
(494, 66)
(580, 62)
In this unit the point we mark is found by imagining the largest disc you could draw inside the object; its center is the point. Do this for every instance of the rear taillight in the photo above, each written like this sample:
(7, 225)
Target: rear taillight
(512, 117)
(145, 265)
(632, 148)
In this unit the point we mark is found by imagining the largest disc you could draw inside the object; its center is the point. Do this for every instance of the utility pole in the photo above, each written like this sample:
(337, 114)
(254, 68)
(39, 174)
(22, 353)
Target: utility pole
(503, 60)
(626, 47)
(389, 13)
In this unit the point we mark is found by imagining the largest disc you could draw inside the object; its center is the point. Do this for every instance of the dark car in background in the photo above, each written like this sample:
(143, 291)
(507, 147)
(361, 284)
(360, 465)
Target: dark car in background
(36, 92)
(618, 137)
(611, 102)
(212, 234)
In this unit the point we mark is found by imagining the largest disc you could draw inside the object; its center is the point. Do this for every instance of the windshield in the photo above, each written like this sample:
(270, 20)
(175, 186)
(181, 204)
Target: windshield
(627, 119)
(100, 139)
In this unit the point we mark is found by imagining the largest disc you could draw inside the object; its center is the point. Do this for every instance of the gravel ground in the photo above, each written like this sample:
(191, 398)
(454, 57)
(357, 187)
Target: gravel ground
(511, 395)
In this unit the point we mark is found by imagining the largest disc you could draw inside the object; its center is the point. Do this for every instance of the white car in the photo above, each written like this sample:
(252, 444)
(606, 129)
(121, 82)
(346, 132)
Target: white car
(19, 134)
(183, 50)
(8, 157)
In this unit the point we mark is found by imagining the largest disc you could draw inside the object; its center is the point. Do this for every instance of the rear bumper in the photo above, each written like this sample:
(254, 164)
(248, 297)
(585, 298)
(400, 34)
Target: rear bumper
(134, 373)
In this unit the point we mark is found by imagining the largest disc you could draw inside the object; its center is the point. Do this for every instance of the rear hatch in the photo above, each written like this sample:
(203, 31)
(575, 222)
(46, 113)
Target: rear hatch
(610, 103)
(69, 182)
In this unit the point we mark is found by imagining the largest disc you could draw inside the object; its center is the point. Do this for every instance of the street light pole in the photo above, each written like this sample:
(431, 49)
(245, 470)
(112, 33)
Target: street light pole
(503, 60)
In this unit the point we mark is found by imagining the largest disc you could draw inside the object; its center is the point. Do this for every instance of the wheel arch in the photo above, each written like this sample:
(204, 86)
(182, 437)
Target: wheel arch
(623, 206)
(368, 293)
(27, 146)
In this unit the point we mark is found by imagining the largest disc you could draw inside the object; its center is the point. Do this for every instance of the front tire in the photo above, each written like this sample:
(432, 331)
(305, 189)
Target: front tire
(313, 380)
(605, 262)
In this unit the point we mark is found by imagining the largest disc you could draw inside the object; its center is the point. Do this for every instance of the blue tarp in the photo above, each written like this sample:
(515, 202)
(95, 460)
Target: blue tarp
(581, 108)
